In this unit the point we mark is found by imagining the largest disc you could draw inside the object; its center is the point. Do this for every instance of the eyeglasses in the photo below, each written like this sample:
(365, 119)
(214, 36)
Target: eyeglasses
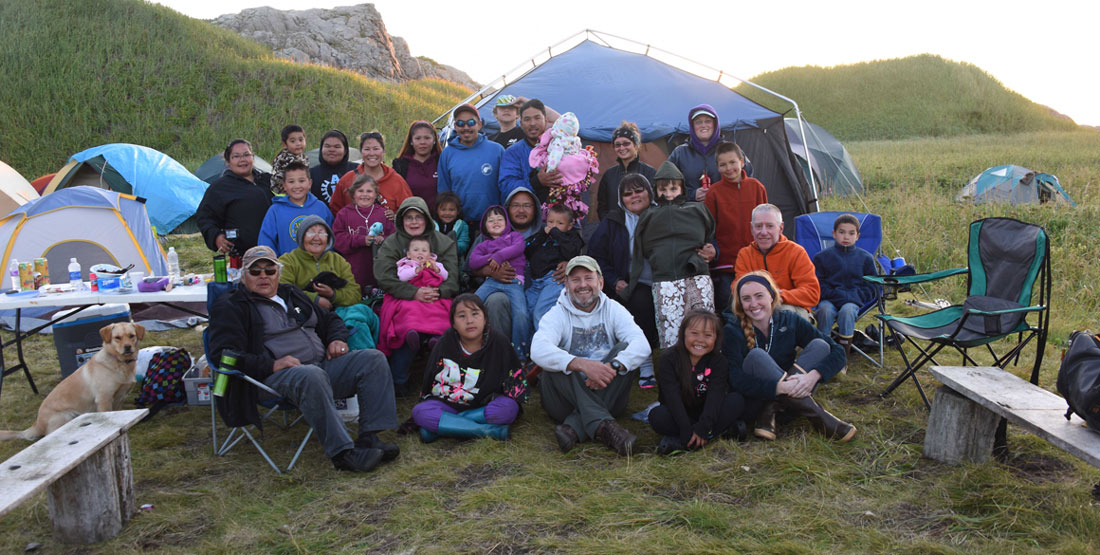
(465, 122)
(633, 191)
(244, 156)
(269, 270)
(317, 234)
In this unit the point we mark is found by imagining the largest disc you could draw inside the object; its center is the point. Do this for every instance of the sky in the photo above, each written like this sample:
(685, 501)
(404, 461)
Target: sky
(1045, 51)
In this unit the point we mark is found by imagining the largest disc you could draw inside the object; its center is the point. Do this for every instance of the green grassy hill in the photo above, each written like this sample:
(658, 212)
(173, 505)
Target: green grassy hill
(918, 96)
(81, 74)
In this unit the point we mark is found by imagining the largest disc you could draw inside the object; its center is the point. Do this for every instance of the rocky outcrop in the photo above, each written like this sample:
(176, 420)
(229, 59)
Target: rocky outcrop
(348, 37)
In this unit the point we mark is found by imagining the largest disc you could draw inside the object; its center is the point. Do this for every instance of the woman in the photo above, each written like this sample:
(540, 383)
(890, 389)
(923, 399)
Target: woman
(625, 139)
(332, 165)
(696, 157)
(612, 245)
(352, 229)
(233, 207)
(761, 349)
(418, 160)
(391, 187)
(413, 220)
(313, 256)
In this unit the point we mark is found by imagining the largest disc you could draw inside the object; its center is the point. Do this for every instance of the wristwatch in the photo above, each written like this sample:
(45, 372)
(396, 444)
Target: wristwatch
(618, 366)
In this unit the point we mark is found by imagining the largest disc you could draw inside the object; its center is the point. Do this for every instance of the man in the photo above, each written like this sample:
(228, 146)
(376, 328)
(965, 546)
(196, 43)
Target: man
(470, 166)
(786, 260)
(506, 112)
(299, 349)
(515, 166)
(587, 346)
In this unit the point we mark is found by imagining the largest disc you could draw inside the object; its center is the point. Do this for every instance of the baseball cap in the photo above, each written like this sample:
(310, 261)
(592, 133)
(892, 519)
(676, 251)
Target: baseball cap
(505, 100)
(702, 112)
(583, 262)
(467, 107)
(258, 253)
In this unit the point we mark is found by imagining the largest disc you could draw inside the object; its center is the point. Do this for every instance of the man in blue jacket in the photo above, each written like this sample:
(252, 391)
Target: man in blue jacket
(515, 166)
(470, 166)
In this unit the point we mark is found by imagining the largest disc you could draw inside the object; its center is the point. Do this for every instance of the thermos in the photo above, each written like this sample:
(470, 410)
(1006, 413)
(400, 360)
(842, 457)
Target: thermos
(228, 363)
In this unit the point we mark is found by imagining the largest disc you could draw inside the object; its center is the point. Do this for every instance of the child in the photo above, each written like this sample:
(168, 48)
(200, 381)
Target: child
(559, 149)
(555, 243)
(470, 370)
(294, 150)
(352, 228)
(730, 203)
(840, 270)
(502, 245)
(403, 320)
(448, 219)
(279, 229)
(675, 237)
(696, 404)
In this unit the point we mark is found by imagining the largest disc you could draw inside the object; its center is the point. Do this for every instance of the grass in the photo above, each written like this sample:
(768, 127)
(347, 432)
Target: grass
(80, 74)
(795, 495)
(917, 96)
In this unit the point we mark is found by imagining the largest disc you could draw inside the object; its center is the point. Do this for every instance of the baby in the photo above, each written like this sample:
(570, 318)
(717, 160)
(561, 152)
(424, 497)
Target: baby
(560, 150)
(419, 257)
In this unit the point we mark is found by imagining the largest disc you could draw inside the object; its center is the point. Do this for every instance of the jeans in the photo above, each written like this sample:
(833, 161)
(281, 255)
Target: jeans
(845, 319)
(541, 297)
(521, 321)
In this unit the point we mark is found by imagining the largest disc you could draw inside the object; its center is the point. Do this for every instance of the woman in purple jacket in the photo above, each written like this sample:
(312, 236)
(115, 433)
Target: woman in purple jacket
(418, 161)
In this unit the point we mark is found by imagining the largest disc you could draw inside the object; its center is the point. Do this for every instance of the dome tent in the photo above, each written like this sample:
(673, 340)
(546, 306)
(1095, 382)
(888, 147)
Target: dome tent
(213, 167)
(833, 169)
(93, 225)
(15, 190)
(1014, 185)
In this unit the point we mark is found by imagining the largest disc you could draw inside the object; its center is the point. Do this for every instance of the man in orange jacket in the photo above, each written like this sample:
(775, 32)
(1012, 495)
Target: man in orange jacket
(784, 259)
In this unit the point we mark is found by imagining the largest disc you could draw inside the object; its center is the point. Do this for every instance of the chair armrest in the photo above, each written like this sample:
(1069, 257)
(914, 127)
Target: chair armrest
(1005, 311)
(249, 379)
(915, 278)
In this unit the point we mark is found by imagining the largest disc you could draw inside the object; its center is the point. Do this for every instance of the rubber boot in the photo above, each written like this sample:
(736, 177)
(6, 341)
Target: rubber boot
(453, 425)
(477, 415)
(765, 421)
(426, 436)
(821, 420)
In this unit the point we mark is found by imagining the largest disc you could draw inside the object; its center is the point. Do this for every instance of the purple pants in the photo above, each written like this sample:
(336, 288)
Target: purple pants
(502, 410)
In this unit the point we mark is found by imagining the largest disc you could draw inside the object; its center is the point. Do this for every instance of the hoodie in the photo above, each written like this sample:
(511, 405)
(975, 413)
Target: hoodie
(609, 183)
(393, 249)
(300, 267)
(612, 246)
(567, 332)
(789, 265)
(351, 227)
(536, 223)
(471, 172)
(279, 229)
(508, 247)
(694, 158)
(392, 189)
(325, 176)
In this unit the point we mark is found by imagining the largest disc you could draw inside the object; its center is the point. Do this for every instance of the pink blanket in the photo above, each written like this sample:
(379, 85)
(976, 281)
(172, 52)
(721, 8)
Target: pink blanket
(401, 315)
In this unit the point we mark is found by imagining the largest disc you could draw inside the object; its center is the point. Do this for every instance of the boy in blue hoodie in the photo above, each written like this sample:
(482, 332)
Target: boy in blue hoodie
(501, 245)
(470, 165)
(840, 270)
(279, 229)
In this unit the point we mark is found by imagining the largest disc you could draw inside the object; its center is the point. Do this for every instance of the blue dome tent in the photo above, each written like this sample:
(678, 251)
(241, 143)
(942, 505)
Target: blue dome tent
(1014, 185)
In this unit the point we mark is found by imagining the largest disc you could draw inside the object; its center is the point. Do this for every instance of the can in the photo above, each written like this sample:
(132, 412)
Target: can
(42, 266)
(26, 276)
(220, 274)
(94, 281)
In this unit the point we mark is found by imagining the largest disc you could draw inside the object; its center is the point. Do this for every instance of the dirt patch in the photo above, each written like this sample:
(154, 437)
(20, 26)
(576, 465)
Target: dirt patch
(479, 475)
(1040, 468)
(910, 518)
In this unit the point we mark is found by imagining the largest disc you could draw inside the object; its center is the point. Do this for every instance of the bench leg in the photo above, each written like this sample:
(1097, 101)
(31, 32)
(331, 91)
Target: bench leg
(92, 501)
(959, 430)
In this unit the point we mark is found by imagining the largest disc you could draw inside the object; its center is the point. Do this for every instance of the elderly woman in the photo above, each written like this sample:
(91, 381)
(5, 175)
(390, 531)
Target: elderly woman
(352, 227)
(626, 139)
(612, 245)
(391, 186)
(234, 206)
(779, 357)
(413, 220)
(418, 160)
(314, 255)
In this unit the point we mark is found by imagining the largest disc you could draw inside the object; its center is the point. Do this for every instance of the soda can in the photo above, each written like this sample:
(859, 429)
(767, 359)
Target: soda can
(26, 276)
(220, 273)
(42, 266)
(94, 281)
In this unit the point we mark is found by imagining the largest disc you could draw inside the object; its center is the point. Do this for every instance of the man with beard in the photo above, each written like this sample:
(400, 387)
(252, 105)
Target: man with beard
(587, 346)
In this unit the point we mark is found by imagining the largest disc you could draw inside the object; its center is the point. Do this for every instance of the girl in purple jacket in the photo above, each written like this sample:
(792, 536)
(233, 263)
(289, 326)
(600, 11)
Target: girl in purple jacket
(501, 245)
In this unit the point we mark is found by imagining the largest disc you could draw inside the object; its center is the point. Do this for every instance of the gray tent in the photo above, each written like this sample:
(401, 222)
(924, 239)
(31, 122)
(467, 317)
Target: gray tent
(833, 169)
(212, 168)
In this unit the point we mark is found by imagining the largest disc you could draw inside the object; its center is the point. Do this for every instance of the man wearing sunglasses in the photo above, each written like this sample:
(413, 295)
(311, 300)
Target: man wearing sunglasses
(299, 349)
(470, 166)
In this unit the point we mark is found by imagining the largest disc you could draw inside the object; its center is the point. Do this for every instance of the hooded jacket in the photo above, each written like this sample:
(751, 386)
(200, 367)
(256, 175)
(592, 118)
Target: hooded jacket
(789, 265)
(536, 224)
(325, 176)
(300, 267)
(667, 237)
(472, 173)
(392, 189)
(393, 249)
(280, 226)
(609, 184)
(350, 230)
(233, 202)
(731, 204)
(695, 158)
(611, 246)
(465, 381)
(789, 330)
(508, 247)
(567, 332)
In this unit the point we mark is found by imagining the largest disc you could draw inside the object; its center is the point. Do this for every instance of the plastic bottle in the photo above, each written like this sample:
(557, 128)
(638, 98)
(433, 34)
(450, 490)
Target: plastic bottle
(74, 274)
(173, 264)
(13, 271)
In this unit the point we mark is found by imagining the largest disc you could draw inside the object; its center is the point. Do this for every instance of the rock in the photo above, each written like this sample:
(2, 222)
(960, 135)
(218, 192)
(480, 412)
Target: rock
(348, 37)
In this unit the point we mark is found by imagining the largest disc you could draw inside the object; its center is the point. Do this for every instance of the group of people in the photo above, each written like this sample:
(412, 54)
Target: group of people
(476, 254)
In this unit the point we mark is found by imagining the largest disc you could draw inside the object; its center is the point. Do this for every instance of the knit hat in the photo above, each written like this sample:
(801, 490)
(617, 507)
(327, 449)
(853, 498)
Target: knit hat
(299, 231)
(668, 170)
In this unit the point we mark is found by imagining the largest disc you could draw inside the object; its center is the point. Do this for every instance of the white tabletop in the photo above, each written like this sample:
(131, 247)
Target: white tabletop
(180, 294)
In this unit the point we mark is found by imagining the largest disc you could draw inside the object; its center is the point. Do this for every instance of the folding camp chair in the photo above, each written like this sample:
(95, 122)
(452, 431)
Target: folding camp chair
(1007, 261)
(814, 232)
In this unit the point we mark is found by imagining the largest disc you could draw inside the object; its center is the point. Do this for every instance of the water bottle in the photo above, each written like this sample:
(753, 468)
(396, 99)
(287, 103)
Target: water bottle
(228, 363)
(173, 264)
(74, 275)
(13, 271)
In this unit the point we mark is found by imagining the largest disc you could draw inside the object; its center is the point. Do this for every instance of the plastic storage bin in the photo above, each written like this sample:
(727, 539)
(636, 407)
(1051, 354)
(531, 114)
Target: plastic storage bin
(77, 339)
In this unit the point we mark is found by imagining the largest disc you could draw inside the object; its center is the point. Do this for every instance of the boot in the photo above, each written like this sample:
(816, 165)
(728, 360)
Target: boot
(477, 415)
(426, 436)
(670, 445)
(765, 421)
(618, 438)
(566, 436)
(390, 451)
(357, 459)
(821, 420)
(453, 425)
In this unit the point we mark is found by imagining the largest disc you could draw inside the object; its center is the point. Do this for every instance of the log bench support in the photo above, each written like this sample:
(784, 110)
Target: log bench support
(959, 430)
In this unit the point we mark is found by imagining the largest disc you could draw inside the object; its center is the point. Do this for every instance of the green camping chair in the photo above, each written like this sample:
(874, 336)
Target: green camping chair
(1008, 260)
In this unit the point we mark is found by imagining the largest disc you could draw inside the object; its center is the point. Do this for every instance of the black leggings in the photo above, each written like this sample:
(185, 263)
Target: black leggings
(640, 304)
(733, 408)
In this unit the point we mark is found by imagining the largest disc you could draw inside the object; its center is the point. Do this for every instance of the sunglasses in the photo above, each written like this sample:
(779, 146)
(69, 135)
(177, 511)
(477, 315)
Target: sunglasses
(269, 270)
(633, 191)
(465, 122)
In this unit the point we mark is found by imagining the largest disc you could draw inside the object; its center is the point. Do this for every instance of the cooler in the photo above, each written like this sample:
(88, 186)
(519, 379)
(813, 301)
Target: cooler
(77, 339)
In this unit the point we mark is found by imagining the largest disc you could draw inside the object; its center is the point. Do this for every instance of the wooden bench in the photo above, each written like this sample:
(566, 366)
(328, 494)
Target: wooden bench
(969, 406)
(86, 466)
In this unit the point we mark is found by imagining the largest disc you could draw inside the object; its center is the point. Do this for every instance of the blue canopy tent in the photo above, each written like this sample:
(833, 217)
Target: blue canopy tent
(604, 86)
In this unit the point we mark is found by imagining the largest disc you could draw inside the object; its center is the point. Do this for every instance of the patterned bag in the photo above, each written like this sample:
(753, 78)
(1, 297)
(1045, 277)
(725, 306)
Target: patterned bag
(163, 383)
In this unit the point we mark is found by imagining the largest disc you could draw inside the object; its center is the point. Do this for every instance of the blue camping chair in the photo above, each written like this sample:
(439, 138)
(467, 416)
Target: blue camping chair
(814, 232)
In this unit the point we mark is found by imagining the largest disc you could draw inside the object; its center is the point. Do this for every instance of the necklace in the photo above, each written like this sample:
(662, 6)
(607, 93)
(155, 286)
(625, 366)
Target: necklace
(771, 334)
(366, 219)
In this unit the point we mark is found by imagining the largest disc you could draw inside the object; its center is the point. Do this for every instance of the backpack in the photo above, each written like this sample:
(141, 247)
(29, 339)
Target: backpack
(1079, 378)
(163, 384)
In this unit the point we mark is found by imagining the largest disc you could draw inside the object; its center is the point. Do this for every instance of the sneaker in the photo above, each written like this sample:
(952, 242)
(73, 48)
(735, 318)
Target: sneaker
(357, 459)
(647, 383)
(432, 341)
(670, 446)
(412, 338)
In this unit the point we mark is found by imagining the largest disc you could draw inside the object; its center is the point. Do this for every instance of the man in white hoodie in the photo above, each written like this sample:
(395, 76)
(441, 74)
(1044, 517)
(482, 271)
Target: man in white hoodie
(587, 345)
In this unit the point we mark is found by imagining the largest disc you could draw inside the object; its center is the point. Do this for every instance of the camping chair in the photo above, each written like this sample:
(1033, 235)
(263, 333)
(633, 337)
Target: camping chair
(814, 232)
(1007, 260)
